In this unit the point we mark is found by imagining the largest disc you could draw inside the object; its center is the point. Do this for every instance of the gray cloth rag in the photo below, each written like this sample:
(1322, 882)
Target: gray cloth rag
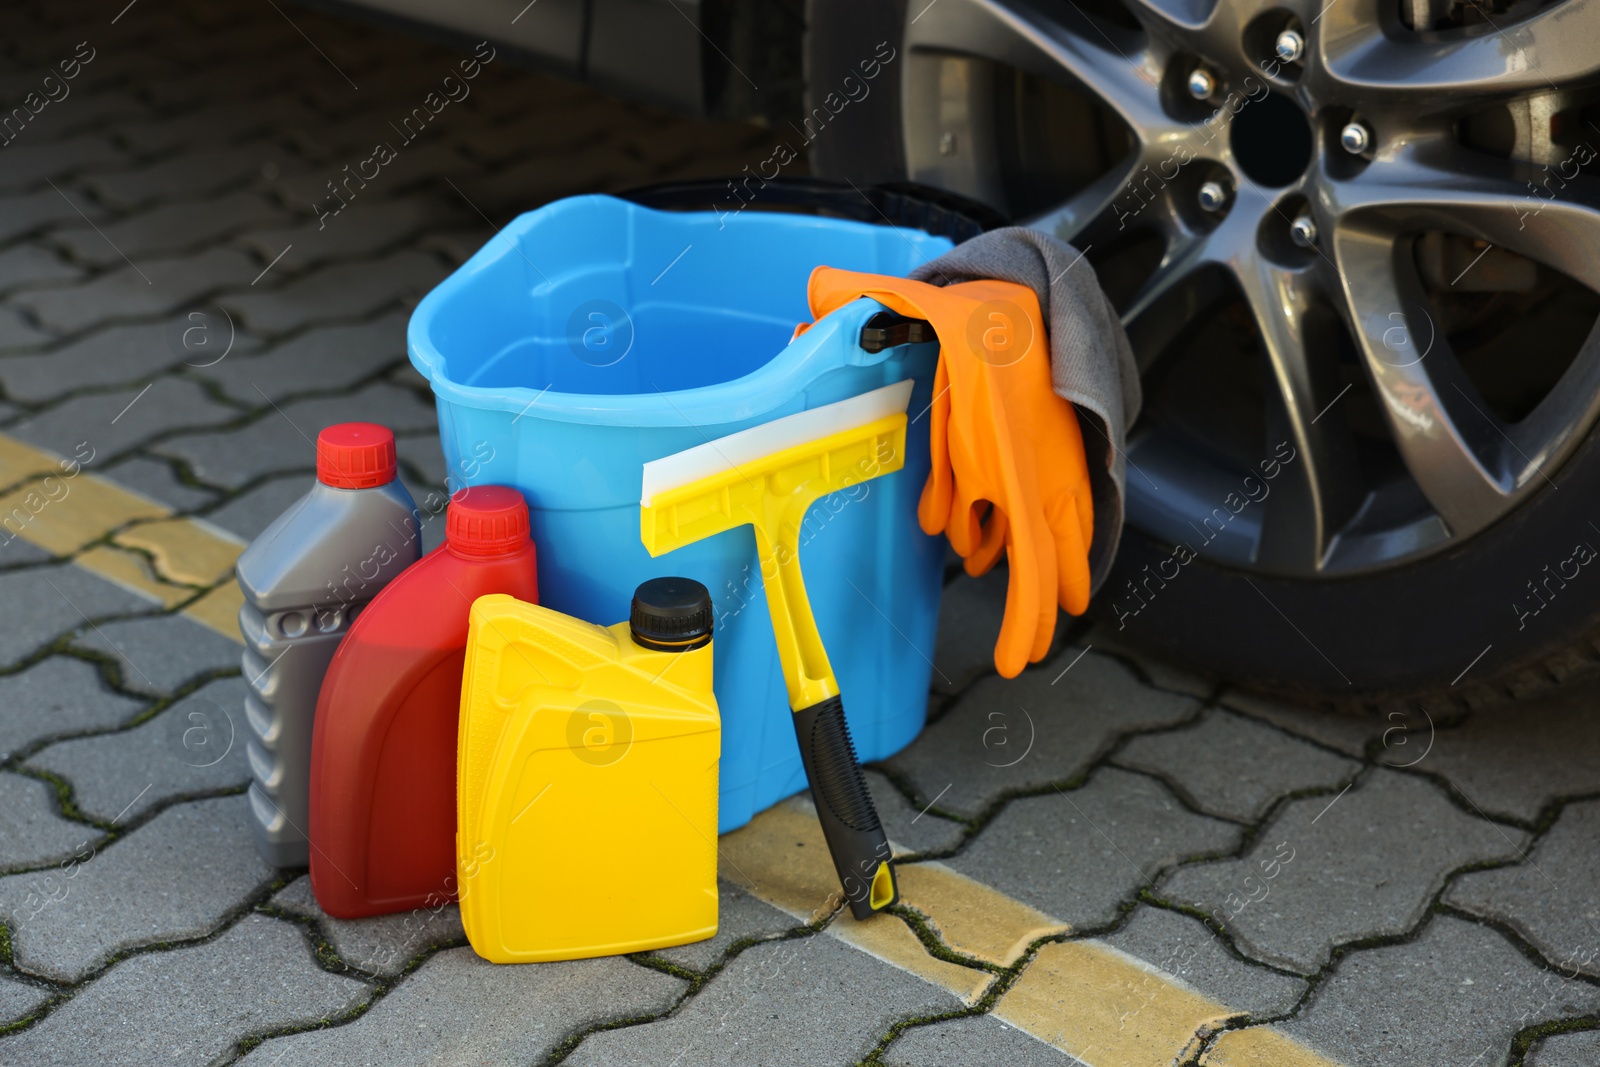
(1090, 361)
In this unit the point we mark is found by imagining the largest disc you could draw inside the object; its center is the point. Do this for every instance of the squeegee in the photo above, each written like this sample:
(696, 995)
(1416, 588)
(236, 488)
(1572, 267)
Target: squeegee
(768, 477)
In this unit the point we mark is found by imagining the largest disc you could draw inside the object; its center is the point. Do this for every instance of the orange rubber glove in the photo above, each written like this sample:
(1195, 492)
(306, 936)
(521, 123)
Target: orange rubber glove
(1001, 437)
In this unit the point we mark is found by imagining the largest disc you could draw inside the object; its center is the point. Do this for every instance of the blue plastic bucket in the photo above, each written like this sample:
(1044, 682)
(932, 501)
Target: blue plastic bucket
(594, 335)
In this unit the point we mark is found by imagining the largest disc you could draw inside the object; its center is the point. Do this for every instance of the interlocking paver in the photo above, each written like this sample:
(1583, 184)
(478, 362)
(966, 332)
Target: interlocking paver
(17, 333)
(53, 600)
(1230, 766)
(195, 746)
(1453, 997)
(552, 131)
(191, 174)
(219, 122)
(413, 165)
(113, 356)
(423, 452)
(969, 621)
(18, 1000)
(32, 164)
(155, 479)
(16, 552)
(536, 180)
(908, 826)
(145, 287)
(1514, 761)
(27, 212)
(58, 695)
(740, 916)
(1567, 1050)
(973, 1041)
(31, 264)
(1564, 866)
(341, 291)
(383, 944)
(665, 144)
(31, 833)
(1162, 674)
(1347, 731)
(364, 229)
(250, 512)
(459, 1009)
(91, 113)
(324, 359)
(799, 1002)
(1331, 870)
(157, 654)
(1047, 725)
(284, 438)
(1078, 854)
(111, 71)
(110, 423)
(178, 876)
(234, 98)
(191, 1005)
(169, 228)
(457, 245)
(1186, 948)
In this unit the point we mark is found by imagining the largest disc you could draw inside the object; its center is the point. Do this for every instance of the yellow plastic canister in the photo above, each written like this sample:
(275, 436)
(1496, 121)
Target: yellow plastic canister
(586, 787)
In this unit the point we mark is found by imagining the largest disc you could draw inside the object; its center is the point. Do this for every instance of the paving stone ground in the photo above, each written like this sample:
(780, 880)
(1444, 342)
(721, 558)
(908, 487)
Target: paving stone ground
(1384, 891)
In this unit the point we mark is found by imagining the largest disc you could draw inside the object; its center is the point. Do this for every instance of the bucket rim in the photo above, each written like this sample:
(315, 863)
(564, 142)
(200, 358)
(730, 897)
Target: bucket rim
(832, 343)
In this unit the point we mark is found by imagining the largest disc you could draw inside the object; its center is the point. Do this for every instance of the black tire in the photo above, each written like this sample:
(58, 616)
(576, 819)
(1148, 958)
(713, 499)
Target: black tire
(1458, 627)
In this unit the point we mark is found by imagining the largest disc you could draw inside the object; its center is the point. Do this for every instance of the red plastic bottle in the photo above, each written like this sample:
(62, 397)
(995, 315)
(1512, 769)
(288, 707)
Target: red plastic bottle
(383, 754)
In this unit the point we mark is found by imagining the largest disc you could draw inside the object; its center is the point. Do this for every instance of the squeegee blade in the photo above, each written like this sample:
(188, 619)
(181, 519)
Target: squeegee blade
(728, 453)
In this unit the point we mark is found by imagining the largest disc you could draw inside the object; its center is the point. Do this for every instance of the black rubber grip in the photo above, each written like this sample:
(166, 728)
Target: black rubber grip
(849, 820)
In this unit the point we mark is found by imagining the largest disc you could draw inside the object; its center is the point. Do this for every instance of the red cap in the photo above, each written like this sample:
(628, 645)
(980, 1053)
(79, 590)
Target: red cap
(486, 520)
(355, 455)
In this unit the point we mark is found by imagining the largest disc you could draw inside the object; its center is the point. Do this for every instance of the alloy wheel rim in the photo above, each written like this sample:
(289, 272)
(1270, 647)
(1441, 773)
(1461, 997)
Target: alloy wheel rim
(1464, 467)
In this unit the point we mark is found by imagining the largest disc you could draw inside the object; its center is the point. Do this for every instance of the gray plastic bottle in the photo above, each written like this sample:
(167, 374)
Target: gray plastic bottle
(303, 579)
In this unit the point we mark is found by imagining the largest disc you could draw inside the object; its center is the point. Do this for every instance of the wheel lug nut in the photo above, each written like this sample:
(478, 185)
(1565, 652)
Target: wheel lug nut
(1355, 138)
(1290, 46)
(1303, 231)
(1213, 196)
(1202, 83)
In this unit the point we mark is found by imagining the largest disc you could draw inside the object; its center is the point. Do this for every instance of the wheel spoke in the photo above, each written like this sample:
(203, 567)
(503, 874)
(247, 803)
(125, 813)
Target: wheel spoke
(1182, 16)
(1112, 64)
(1434, 70)
(1550, 215)
(1109, 205)
(1318, 486)
(1171, 298)
(1462, 457)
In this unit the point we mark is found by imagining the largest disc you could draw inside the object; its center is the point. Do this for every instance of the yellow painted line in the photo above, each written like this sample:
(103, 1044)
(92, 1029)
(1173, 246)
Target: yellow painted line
(781, 857)
(19, 461)
(64, 514)
(62, 508)
(1092, 1001)
(131, 571)
(972, 918)
(1260, 1046)
(187, 551)
(1105, 1007)
(219, 609)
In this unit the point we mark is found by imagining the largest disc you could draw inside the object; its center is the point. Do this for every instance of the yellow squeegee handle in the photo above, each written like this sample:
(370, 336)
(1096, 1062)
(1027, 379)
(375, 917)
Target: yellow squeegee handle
(806, 670)
(773, 496)
(856, 839)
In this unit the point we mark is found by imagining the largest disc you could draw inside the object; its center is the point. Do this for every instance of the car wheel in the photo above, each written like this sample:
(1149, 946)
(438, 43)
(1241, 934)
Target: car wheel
(1356, 246)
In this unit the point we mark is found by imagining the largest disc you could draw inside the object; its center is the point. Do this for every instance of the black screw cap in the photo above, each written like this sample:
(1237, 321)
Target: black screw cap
(671, 615)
